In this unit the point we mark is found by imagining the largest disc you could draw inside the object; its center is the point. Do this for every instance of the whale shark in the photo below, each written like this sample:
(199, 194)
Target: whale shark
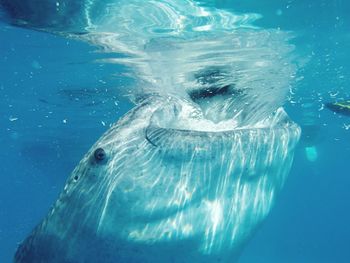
(146, 192)
(190, 172)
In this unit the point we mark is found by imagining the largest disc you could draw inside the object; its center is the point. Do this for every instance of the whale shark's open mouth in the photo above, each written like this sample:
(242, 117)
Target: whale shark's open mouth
(213, 109)
(223, 183)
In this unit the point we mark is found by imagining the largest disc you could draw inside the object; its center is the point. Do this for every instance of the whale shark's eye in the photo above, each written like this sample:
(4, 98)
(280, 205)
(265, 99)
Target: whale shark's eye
(100, 155)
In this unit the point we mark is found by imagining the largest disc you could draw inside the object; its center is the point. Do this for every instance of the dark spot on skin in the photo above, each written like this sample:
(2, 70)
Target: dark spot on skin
(100, 155)
(76, 178)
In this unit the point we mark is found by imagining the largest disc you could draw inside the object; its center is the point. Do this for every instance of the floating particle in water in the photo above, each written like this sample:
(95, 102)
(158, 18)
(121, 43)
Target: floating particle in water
(64, 121)
(346, 126)
(333, 95)
(279, 12)
(36, 65)
(311, 153)
(11, 118)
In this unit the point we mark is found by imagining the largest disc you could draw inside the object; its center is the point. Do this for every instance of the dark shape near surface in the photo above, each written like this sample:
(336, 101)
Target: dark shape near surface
(341, 107)
(209, 92)
(213, 82)
(45, 15)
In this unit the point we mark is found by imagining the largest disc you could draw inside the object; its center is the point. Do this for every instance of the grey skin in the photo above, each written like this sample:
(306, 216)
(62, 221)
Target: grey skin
(151, 192)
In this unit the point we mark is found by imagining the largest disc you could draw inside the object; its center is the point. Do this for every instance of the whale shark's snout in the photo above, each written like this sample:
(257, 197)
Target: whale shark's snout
(154, 188)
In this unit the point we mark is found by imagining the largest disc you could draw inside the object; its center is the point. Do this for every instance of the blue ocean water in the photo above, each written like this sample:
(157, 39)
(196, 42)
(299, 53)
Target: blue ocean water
(57, 100)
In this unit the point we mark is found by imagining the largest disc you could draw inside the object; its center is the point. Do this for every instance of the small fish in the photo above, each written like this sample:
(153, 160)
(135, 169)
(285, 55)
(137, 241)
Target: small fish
(341, 107)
